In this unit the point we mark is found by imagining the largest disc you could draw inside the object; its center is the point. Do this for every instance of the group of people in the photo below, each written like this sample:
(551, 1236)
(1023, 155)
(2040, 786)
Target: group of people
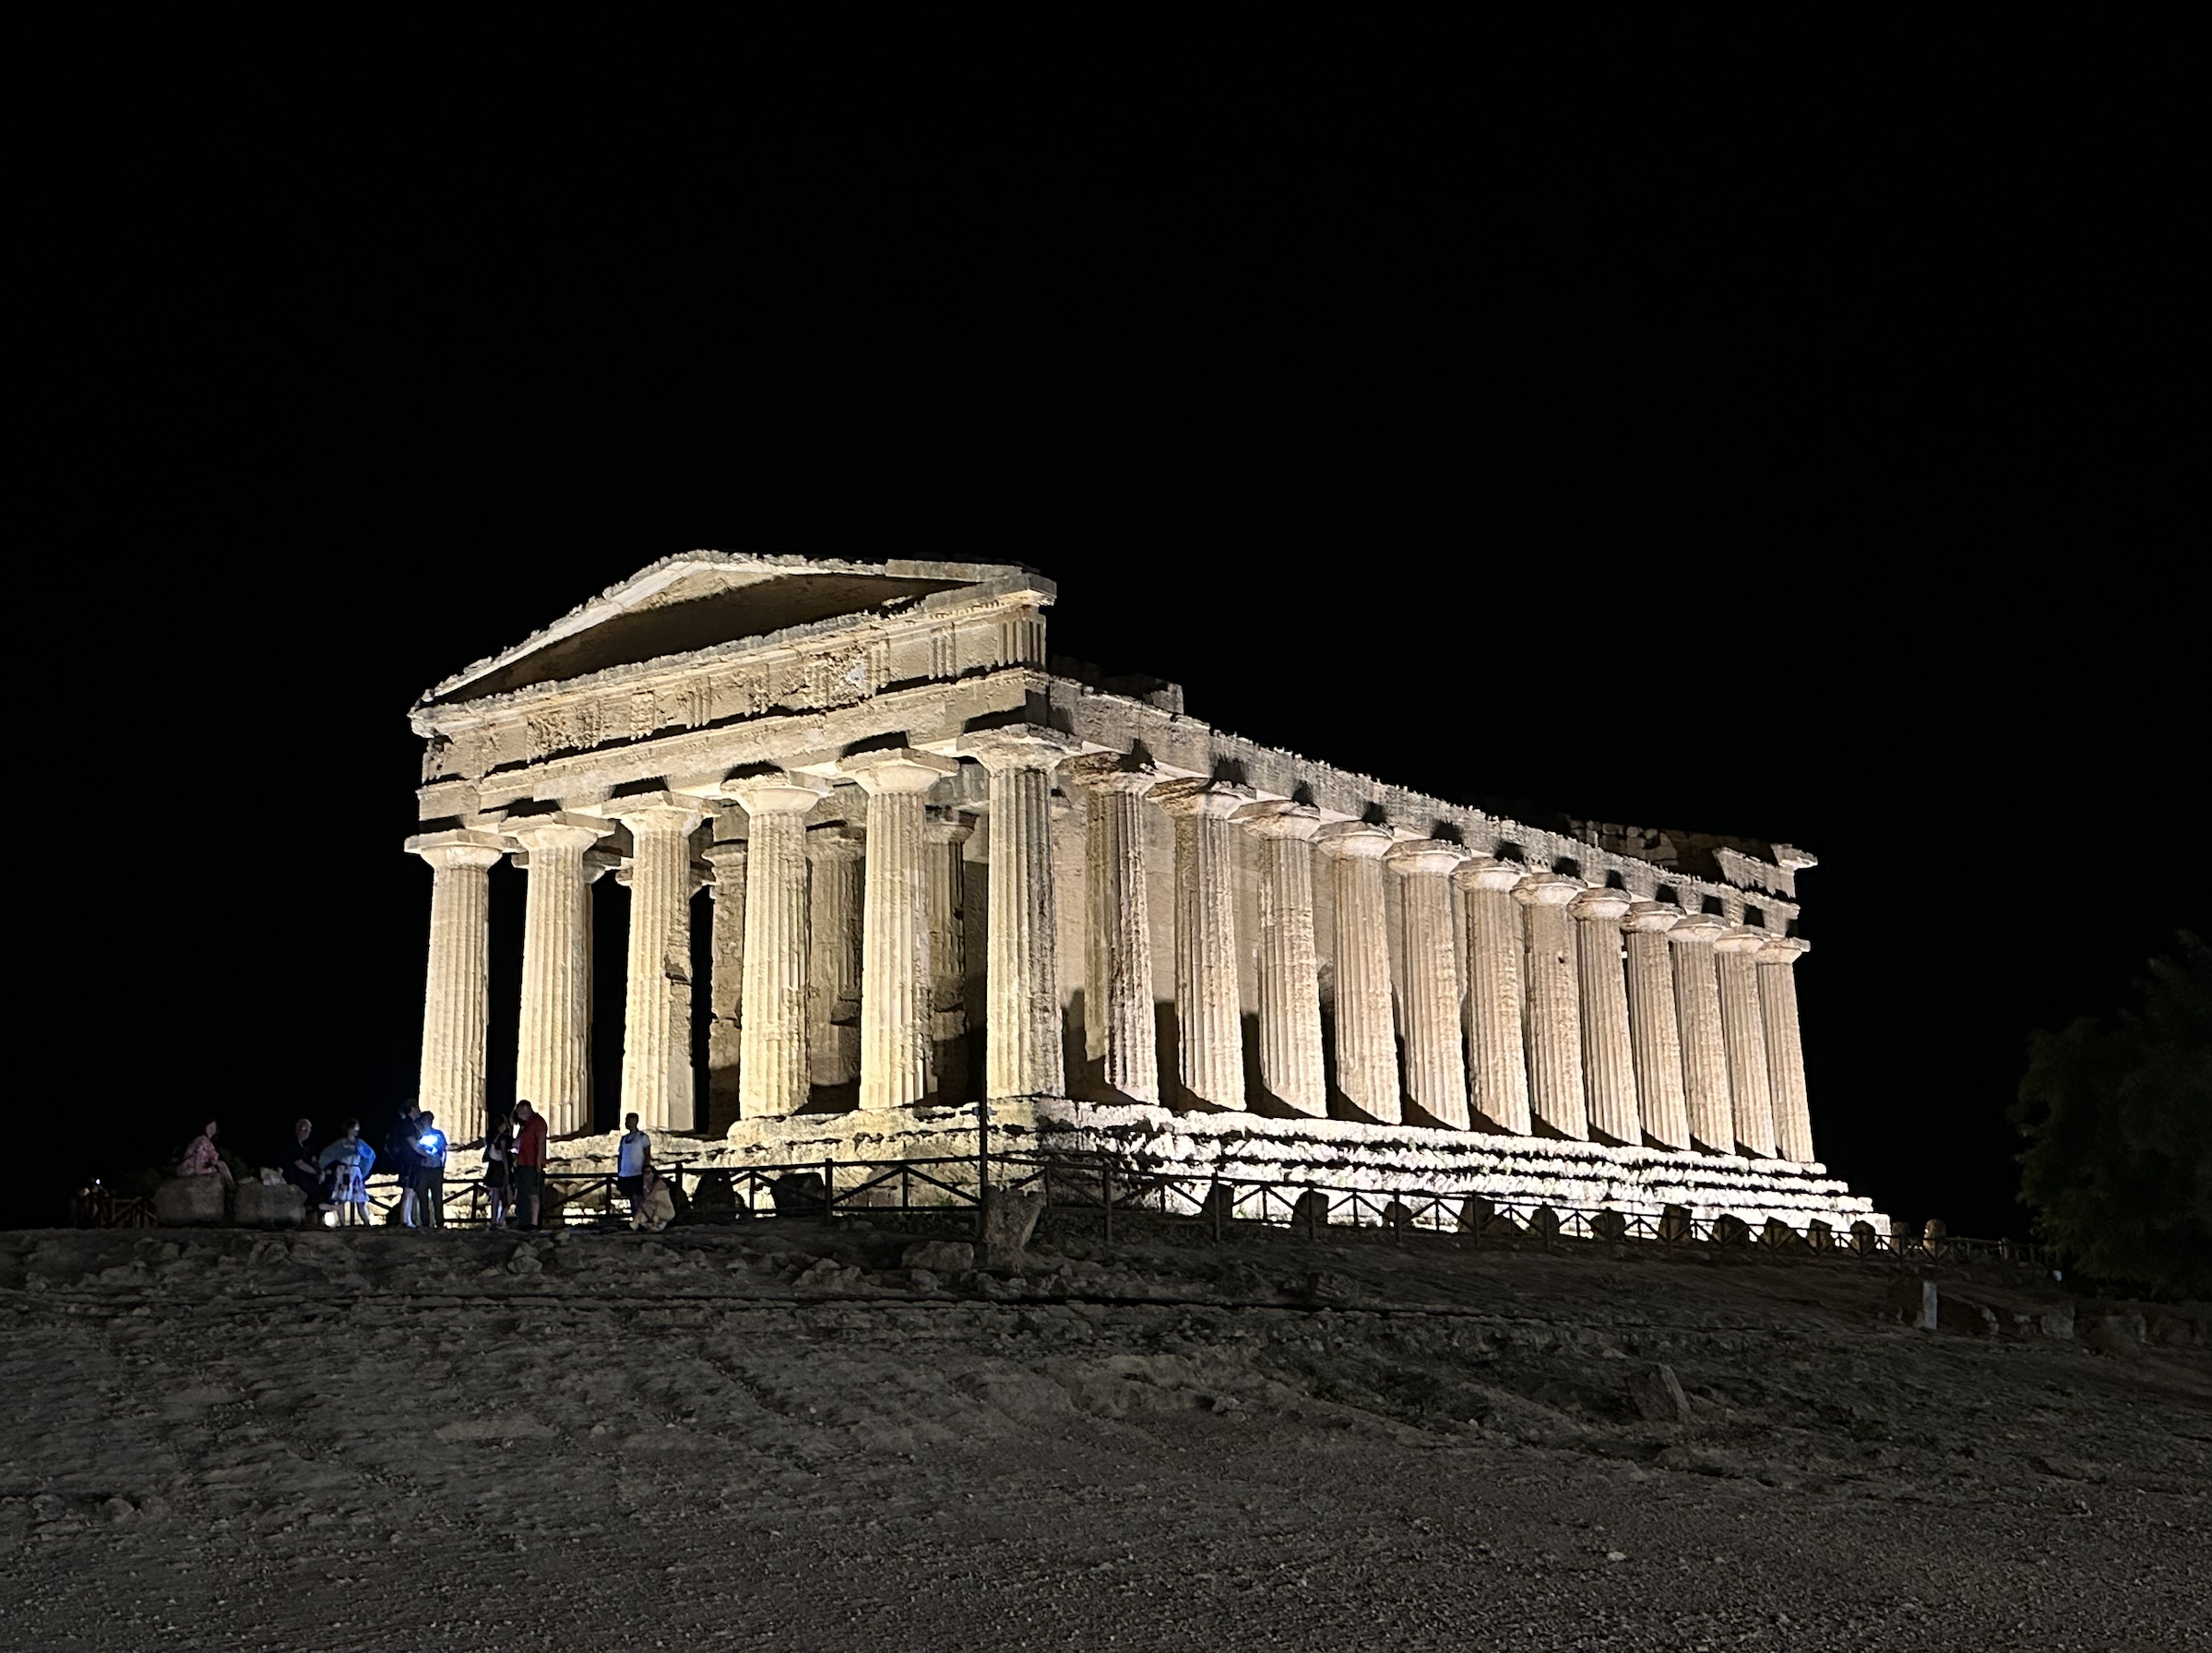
(336, 1179)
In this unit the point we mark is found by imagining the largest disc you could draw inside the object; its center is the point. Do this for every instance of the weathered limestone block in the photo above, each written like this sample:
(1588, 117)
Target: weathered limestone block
(1366, 1043)
(1654, 1025)
(1496, 1065)
(656, 1046)
(1022, 1030)
(1555, 1092)
(456, 988)
(894, 971)
(1311, 1212)
(772, 1082)
(1608, 1051)
(1657, 1395)
(268, 1205)
(1210, 1039)
(1291, 1059)
(1785, 1045)
(553, 1056)
(1009, 1218)
(1119, 1032)
(939, 1257)
(1435, 1067)
(1743, 1031)
(181, 1201)
(1704, 1050)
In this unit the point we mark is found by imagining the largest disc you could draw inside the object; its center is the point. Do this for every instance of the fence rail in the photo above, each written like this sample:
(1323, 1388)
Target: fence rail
(1105, 1186)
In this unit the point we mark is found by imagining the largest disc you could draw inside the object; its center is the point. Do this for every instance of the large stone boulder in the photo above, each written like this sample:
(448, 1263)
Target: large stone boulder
(939, 1257)
(800, 1194)
(1009, 1218)
(279, 1205)
(182, 1201)
(1658, 1397)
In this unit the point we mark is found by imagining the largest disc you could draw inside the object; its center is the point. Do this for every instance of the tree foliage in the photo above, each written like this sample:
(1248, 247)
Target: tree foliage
(2118, 1115)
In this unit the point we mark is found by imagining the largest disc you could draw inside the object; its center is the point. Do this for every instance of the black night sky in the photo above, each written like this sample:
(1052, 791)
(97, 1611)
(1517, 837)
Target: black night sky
(1837, 505)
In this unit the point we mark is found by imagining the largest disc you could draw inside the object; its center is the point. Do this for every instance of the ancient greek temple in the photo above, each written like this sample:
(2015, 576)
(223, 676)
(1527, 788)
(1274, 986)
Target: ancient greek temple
(943, 867)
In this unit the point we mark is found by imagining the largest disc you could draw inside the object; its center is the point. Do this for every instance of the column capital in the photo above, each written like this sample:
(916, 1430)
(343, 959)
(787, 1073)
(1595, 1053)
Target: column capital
(1783, 949)
(1599, 904)
(1739, 939)
(1547, 889)
(779, 792)
(897, 769)
(1487, 871)
(1653, 917)
(1430, 855)
(1017, 746)
(669, 812)
(947, 832)
(459, 847)
(1355, 840)
(1110, 772)
(1694, 928)
(1218, 799)
(1278, 817)
(559, 830)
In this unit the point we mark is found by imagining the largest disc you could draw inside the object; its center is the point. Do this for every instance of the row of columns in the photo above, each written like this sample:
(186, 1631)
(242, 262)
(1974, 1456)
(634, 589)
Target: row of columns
(1574, 1012)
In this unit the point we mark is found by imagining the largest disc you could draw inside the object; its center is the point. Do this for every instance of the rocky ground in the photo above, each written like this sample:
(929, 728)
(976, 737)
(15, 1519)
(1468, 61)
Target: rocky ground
(778, 1437)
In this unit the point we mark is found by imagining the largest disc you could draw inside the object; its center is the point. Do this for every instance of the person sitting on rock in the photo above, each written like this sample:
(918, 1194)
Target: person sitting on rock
(201, 1160)
(300, 1170)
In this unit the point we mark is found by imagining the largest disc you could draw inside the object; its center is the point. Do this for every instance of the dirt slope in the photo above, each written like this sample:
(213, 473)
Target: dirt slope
(767, 1438)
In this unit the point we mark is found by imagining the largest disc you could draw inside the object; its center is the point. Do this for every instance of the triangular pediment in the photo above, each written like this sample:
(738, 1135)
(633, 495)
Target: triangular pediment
(702, 599)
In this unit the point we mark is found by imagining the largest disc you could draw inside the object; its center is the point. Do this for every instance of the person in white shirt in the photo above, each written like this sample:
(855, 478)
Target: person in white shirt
(636, 1153)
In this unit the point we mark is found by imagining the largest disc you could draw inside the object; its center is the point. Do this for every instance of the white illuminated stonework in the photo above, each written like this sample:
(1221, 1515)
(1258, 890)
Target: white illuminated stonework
(945, 869)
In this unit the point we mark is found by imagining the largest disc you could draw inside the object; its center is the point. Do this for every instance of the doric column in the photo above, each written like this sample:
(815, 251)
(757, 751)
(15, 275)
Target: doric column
(1366, 1043)
(1608, 1077)
(1117, 992)
(1022, 1026)
(1653, 1025)
(1436, 1070)
(1291, 1065)
(1556, 1093)
(552, 1055)
(1209, 1029)
(726, 985)
(1704, 1050)
(1785, 1045)
(652, 1065)
(895, 973)
(833, 955)
(457, 992)
(947, 952)
(1497, 1069)
(1745, 1035)
(772, 1077)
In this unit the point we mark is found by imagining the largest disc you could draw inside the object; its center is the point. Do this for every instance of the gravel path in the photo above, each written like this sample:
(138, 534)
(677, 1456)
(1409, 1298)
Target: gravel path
(766, 1438)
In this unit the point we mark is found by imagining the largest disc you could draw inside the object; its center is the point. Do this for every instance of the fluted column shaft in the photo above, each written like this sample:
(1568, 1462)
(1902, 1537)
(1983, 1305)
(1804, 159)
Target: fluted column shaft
(1785, 1046)
(1021, 1055)
(1704, 1050)
(659, 964)
(772, 1071)
(1435, 1068)
(1497, 1068)
(1653, 1025)
(1744, 1031)
(1291, 1062)
(947, 947)
(726, 986)
(895, 970)
(1209, 1030)
(456, 988)
(1119, 1032)
(1555, 1091)
(1366, 1043)
(1608, 1052)
(833, 960)
(552, 1055)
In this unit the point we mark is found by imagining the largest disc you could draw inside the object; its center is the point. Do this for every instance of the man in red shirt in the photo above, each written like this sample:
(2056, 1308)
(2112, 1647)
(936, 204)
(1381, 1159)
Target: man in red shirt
(529, 1163)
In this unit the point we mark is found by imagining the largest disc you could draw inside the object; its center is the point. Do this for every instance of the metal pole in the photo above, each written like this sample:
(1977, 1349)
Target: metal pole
(829, 1184)
(1106, 1182)
(982, 1163)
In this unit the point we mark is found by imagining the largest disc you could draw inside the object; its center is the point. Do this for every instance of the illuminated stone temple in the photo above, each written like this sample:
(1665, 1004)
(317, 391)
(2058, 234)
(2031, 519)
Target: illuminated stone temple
(939, 866)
